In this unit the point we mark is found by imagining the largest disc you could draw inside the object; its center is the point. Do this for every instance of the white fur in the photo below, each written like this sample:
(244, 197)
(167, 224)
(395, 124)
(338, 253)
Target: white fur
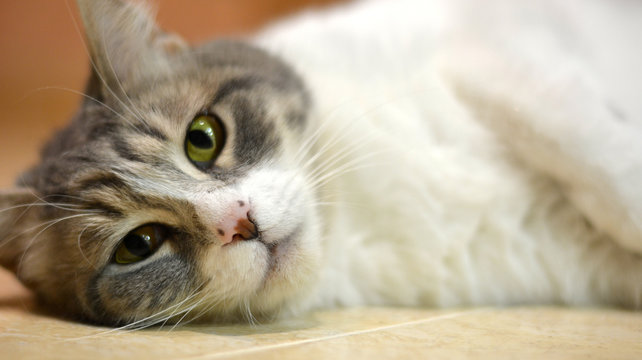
(476, 138)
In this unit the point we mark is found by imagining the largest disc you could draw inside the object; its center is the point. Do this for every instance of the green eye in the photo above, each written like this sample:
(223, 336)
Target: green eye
(204, 140)
(139, 244)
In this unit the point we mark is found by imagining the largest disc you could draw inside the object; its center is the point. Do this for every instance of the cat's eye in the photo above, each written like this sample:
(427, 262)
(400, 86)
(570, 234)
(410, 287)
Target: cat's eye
(139, 244)
(204, 141)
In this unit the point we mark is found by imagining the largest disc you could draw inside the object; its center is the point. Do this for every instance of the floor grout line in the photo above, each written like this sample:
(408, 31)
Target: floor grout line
(330, 337)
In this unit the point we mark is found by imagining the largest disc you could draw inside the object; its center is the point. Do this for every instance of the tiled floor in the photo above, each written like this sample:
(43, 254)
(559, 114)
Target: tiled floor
(367, 333)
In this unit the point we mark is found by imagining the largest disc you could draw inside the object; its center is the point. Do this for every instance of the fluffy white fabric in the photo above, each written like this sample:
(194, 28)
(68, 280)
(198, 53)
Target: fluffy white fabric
(483, 152)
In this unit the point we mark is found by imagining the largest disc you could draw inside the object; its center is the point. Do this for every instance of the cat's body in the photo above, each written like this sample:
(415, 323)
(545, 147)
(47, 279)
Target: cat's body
(432, 158)
(449, 103)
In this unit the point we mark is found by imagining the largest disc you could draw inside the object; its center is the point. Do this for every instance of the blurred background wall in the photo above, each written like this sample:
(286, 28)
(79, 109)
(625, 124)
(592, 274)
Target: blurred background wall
(41, 51)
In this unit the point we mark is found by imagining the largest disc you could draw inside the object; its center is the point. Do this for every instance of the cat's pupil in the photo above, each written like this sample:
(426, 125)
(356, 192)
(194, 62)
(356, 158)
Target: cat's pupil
(200, 139)
(138, 245)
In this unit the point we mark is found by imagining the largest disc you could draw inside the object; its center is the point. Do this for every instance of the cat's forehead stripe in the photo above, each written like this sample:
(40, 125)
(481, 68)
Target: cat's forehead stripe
(255, 134)
(100, 180)
(256, 138)
(126, 151)
(151, 131)
(230, 86)
(102, 186)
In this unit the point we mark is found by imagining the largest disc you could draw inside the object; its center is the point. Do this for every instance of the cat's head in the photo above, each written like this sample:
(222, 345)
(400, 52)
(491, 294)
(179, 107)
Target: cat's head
(177, 189)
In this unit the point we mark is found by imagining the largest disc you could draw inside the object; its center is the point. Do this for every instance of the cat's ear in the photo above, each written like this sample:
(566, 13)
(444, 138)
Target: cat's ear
(19, 215)
(125, 42)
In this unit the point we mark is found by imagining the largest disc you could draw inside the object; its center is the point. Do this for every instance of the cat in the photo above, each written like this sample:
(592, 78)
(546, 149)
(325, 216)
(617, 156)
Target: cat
(400, 153)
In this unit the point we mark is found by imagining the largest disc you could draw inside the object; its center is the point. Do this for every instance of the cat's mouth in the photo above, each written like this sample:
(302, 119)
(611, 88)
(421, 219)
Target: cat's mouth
(279, 250)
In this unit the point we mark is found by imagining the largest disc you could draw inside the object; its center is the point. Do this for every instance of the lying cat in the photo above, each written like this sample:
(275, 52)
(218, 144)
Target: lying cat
(404, 153)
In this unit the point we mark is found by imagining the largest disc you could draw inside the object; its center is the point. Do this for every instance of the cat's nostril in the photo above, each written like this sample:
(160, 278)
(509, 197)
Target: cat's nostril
(237, 223)
(245, 229)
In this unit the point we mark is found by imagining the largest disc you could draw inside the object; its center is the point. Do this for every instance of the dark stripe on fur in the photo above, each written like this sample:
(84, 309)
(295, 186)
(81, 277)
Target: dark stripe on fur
(150, 131)
(255, 138)
(105, 208)
(123, 149)
(233, 85)
(101, 180)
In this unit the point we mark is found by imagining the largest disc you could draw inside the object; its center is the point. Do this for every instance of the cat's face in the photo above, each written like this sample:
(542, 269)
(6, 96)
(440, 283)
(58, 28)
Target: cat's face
(179, 187)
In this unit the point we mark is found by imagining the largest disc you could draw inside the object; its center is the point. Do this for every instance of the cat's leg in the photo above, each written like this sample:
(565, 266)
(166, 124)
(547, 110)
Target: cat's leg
(554, 116)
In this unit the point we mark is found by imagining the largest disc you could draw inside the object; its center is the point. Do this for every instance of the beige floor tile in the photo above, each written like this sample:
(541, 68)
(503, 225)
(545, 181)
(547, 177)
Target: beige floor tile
(24, 333)
(370, 333)
(522, 333)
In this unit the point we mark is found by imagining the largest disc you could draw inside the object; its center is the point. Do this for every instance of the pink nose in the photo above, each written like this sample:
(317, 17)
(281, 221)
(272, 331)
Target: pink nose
(237, 225)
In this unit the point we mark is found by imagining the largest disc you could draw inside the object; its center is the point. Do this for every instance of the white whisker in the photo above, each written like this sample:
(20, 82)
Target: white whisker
(349, 166)
(337, 158)
(95, 67)
(80, 248)
(186, 312)
(139, 324)
(132, 110)
(61, 206)
(50, 224)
